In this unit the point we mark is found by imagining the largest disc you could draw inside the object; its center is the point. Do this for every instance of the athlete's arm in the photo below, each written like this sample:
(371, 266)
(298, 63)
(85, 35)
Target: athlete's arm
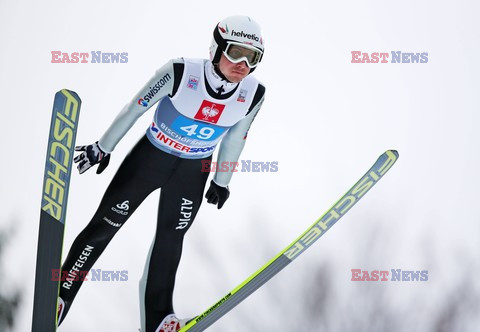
(159, 86)
(232, 144)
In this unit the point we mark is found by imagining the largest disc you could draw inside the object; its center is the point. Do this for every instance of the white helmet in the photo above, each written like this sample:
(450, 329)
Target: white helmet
(240, 31)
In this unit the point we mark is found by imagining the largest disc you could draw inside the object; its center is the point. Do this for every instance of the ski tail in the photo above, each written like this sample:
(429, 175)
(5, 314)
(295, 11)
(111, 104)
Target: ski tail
(58, 166)
(297, 247)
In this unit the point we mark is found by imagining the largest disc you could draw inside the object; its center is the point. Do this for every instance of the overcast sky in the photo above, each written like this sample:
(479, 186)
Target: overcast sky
(325, 121)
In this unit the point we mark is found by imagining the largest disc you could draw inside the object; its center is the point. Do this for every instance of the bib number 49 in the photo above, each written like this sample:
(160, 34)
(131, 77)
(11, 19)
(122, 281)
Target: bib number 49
(203, 133)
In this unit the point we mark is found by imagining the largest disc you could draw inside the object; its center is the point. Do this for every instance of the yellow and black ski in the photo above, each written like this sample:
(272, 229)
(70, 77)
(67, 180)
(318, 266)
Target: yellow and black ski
(297, 247)
(61, 144)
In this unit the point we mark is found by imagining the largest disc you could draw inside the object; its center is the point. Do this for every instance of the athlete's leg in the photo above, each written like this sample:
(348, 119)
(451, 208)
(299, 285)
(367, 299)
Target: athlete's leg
(180, 200)
(132, 183)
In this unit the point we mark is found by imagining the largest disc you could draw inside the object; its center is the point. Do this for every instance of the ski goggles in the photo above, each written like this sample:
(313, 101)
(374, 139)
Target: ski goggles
(238, 52)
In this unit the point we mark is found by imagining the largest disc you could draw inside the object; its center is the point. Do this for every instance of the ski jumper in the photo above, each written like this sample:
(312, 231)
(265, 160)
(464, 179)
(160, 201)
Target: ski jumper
(196, 110)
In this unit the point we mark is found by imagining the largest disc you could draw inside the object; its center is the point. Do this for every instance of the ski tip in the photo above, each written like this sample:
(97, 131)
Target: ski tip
(67, 92)
(395, 152)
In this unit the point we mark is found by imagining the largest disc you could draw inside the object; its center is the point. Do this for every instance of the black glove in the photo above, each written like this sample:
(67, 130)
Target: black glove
(91, 155)
(216, 194)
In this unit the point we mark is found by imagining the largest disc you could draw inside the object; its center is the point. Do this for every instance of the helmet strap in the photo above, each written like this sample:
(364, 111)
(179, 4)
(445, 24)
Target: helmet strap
(219, 73)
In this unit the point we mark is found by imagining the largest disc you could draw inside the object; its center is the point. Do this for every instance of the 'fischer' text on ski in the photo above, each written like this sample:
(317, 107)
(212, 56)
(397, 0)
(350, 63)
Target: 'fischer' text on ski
(59, 159)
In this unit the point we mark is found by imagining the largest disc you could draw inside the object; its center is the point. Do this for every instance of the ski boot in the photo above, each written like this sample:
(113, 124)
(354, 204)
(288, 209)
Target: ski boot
(171, 324)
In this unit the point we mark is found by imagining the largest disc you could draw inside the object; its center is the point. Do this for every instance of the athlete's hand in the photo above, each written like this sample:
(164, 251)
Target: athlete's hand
(91, 155)
(217, 194)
